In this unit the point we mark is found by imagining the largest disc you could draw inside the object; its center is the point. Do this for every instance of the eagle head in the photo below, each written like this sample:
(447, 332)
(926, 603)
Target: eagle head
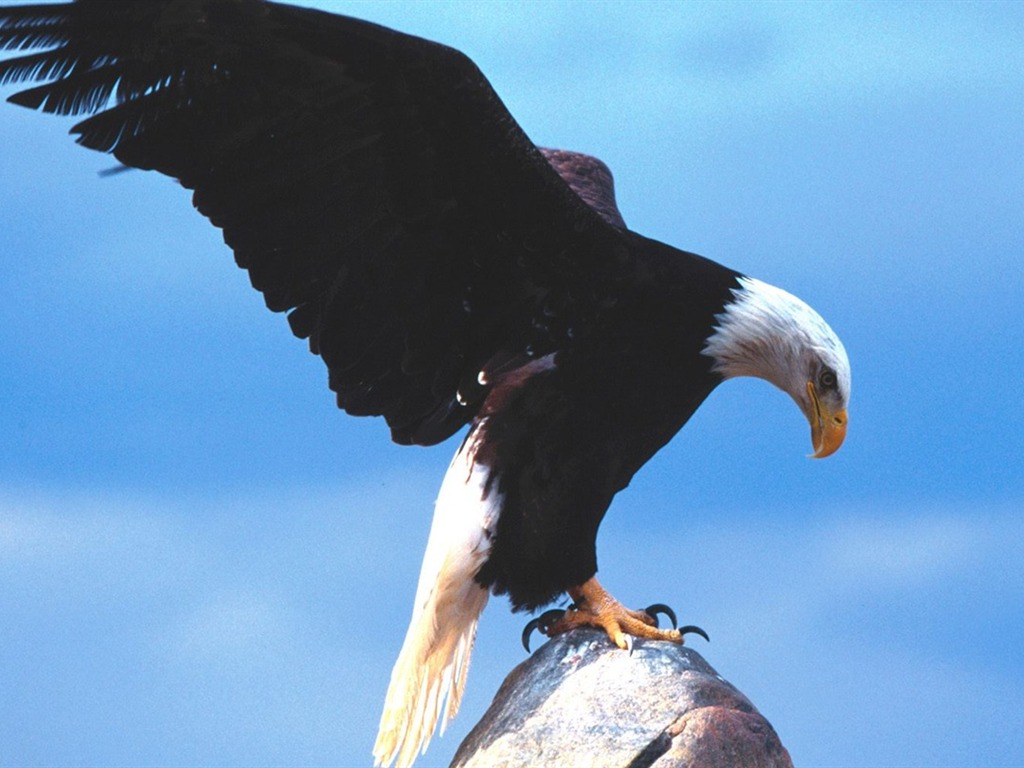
(771, 334)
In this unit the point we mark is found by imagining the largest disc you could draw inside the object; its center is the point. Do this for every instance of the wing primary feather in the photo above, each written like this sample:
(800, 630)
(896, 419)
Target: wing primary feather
(372, 183)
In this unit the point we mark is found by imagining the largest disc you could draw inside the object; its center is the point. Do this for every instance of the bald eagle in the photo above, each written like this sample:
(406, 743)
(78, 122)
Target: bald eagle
(450, 274)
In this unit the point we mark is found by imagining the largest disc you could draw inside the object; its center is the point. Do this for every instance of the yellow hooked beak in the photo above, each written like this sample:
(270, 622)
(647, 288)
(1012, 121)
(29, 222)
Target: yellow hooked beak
(828, 430)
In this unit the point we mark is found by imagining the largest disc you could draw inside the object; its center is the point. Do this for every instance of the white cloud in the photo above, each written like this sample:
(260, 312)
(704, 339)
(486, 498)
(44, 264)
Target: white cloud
(893, 551)
(229, 625)
(243, 628)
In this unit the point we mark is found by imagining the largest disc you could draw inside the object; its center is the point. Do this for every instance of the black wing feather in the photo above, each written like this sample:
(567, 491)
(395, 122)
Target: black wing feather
(370, 182)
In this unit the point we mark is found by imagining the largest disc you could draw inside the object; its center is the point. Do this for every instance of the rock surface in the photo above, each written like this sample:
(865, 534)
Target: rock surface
(579, 701)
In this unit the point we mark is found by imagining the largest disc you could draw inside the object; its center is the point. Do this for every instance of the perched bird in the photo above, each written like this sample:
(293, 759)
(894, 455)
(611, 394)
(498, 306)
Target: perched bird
(450, 274)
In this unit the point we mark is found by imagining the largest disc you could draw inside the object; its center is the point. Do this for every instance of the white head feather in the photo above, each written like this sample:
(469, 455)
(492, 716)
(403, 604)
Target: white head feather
(771, 334)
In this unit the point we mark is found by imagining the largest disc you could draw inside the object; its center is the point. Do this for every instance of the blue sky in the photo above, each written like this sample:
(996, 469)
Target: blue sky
(203, 562)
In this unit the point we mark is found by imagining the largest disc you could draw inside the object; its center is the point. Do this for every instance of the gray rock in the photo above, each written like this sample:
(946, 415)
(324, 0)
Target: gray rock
(580, 701)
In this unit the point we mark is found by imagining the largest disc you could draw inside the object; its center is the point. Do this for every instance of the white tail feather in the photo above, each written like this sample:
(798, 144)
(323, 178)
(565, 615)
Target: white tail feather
(430, 674)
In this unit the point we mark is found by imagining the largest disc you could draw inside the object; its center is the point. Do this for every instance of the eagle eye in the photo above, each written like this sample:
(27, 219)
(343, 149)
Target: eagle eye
(827, 379)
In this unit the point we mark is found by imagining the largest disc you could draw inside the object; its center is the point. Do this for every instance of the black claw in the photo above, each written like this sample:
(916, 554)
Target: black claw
(543, 623)
(654, 610)
(527, 631)
(690, 629)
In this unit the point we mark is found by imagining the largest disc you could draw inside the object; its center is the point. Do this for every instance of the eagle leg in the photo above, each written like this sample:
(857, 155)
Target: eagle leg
(594, 607)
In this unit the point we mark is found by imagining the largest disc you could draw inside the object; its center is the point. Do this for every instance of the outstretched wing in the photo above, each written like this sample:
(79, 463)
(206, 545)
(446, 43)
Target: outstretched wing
(371, 183)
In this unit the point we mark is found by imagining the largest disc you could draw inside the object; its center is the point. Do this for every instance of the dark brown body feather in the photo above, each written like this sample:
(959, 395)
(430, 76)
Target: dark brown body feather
(566, 440)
